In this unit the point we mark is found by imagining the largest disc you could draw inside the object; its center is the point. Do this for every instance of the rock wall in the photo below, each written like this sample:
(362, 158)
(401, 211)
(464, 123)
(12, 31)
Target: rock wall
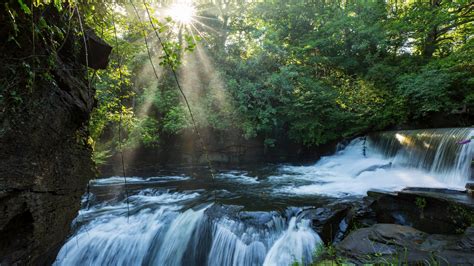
(225, 149)
(45, 162)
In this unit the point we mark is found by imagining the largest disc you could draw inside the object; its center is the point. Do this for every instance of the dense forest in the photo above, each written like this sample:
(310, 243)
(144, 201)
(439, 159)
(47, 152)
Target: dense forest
(313, 71)
(97, 97)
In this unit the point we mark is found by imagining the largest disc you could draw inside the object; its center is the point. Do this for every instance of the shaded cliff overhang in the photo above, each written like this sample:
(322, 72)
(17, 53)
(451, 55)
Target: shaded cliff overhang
(45, 104)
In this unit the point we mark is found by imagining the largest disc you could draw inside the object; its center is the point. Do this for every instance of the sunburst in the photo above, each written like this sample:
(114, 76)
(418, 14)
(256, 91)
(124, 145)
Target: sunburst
(182, 12)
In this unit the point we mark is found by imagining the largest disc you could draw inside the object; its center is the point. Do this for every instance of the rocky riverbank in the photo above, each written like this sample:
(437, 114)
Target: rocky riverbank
(415, 225)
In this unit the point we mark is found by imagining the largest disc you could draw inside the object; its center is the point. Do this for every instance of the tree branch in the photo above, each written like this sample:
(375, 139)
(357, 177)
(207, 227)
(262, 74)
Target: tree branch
(457, 24)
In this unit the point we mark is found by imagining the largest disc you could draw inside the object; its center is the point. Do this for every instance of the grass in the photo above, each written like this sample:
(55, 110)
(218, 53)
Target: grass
(328, 255)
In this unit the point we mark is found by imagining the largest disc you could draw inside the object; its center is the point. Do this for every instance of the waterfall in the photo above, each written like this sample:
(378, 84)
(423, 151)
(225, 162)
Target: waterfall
(177, 238)
(169, 234)
(276, 243)
(392, 161)
(435, 150)
(178, 224)
(112, 238)
(298, 243)
(234, 244)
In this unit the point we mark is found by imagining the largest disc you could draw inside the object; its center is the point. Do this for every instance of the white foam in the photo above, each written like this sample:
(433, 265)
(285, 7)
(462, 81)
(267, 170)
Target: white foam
(390, 180)
(115, 180)
(177, 238)
(238, 176)
(121, 180)
(348, 172)
(106, 239)
(169, 178)
(296, 244)
(164, 197)
(111, 237)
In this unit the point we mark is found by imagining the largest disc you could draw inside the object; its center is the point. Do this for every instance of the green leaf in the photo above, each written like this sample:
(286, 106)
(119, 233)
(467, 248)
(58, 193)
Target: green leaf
(24, 7)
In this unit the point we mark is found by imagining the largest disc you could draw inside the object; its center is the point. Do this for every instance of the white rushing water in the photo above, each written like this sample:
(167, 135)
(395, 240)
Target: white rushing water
(429, 158)
(278, 243)
(167, 234)
(113, 238)
(168, 226)
(238, 176)
(298, 243)
(133, 180)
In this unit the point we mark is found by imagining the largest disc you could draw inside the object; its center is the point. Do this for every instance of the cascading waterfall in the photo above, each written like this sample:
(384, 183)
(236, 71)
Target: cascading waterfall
(393, 160)
(112, 238)
(234, 244)
(174, 221)
(278, 242)
(437, 151)
(298, 242)
(177, 236)
(162, 235)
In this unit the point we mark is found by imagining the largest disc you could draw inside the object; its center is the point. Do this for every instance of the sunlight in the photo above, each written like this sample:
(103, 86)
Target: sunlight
(426, 145)
(182, 12)
(404, 140)
(216, 84)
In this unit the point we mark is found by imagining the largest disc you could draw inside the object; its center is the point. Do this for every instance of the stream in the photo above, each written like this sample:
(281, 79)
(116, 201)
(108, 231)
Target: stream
(252, 216)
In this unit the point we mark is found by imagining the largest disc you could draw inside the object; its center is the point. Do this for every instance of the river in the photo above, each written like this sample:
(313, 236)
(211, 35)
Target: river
(252, 216)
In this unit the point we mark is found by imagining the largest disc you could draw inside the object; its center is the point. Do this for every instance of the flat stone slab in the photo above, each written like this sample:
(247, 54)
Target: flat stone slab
(451, 195)
(396, 244)
(432, 210)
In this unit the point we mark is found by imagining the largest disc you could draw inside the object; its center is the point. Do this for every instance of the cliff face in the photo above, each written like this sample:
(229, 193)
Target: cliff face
(45, 162)
(225, 149)
(44, 170)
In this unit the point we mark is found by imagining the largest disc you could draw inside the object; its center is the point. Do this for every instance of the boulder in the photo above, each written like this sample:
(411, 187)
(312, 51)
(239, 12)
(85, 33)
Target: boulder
(397, 244)
(436, 211)
(331, 223)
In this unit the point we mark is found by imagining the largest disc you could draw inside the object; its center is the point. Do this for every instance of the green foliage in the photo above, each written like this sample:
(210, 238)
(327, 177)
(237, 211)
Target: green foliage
(461, 217)
(420, 203)
(119, 86)
(174, 120)
(100, 157)
(328, 255)
(323, 71)
(143, 132)
(20, 65)
(24, 7)
(313, 72)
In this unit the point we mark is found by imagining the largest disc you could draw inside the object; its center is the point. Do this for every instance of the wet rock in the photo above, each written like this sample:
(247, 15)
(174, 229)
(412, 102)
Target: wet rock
(45, 162)
(257, 218)
(470, 189)
(218, 211)
(440, 211)
(375, 167)
(236, 213)
(382, 239)
(392, 243)
(225, 148)
(362, 213)
(331, 222)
